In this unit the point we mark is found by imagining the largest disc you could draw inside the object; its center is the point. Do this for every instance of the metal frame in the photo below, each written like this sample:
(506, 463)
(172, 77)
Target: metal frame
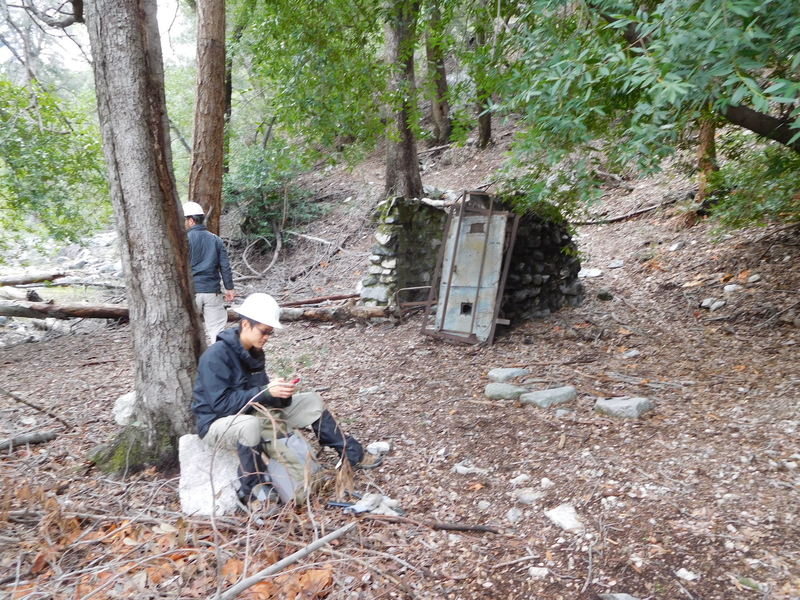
(456, 336)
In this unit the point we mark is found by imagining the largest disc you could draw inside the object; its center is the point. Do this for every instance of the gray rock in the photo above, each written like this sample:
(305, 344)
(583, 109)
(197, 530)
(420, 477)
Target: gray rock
(617, 597)
(389, 263)
(383, 238)
(484, 505)
(125, 409)
(624, 407)
(732, 288)
(676, 246)
(513, 515)
(3, 320)
(717, 305)
(547, 398)
(631, 353)
(503, 391)
(616, 264)
(584, 273)
(200, 475)
(538, 572)
(527, 495)
(566, 517)
(504, 374)
(605, 295)
(754, 278)
(707, 302)
(563, 412)
(376, 292)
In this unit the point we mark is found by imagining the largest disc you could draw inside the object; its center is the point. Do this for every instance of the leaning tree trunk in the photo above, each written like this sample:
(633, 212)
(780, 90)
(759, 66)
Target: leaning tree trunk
(482, 96)
(165, 328)
(402, 168)
(205, 175)
(434, 52)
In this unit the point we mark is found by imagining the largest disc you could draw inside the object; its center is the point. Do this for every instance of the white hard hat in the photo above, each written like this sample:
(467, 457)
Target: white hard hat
(262, 308)
(191, 209)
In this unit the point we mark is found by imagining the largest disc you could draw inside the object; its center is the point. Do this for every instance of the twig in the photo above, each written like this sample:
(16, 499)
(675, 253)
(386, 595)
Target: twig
(309, 237)
(508, 563)
(32, 405)
(27, 438)
(589, 574)
(437, 525)
(628, 215)
(777, 314)
(248, 582)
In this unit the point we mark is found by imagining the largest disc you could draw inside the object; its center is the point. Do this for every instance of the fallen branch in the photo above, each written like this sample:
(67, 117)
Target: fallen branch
(13, 396)
(44, 310)
(27, 438)
(320, 299)
(111, 286)
(30, 278)
(436, 525)
(630, 215)
(309, 237)
(248, 582)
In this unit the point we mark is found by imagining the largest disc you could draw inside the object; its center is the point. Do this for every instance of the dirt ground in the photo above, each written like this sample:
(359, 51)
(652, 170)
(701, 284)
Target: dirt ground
(697, 499)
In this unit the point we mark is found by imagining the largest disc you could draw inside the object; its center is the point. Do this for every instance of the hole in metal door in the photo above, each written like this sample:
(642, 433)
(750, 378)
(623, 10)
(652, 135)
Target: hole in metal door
(466, 308)
(476, 228)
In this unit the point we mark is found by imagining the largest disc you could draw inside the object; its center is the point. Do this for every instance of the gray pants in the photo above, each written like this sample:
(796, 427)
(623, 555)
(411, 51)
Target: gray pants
(215, 316)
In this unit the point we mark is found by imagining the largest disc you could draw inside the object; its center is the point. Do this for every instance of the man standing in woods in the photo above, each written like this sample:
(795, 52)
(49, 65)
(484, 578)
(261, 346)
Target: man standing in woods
(231, 381)
(209, 262)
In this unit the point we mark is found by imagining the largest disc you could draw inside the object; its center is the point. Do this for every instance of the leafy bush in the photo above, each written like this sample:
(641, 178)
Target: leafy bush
(757, 183)
(261, 181)
(52, 177)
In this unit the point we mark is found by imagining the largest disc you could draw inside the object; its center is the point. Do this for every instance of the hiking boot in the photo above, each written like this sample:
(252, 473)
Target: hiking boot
(370, 461)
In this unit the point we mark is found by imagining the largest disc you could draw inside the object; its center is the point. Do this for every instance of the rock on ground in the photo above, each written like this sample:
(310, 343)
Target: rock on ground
(198, 474)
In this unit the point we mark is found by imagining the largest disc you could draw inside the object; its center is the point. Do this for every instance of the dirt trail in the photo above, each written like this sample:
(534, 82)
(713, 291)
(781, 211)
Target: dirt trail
(698, 499)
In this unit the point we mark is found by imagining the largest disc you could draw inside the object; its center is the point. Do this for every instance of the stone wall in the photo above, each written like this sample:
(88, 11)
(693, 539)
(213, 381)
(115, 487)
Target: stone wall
(543, 274)
(407, 244)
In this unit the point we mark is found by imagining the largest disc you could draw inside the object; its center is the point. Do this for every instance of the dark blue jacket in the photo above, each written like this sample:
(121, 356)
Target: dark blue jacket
(209, 261)
(228, 376)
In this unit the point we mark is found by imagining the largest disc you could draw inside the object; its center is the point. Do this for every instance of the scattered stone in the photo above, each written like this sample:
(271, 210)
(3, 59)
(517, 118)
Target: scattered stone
(503, 391)
(631, 353)
(520, 479)
(379, 447)
(484, 505)
(732, 288)
(527, 495)
(563, 412)
(467, 468)
(513, 515)
(584, 273)
(546, 483)
(538, 572)
(195, 486)
(717, 305)
(676, 246)
(370, 390)
(754, 278)
(605, 295)
(504, 374)
(547, 398)
(687, 575)
(623, 407)
(565, 517)
(617, 597)
(377, 292)
(707, 302)
(616, 264)
(383, 238)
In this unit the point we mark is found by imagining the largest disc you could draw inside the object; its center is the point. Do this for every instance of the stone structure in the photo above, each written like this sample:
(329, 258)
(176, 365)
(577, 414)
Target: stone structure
(542, 277)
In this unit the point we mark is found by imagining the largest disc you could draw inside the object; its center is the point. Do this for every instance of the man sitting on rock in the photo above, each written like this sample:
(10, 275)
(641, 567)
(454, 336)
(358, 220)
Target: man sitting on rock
(231, 379)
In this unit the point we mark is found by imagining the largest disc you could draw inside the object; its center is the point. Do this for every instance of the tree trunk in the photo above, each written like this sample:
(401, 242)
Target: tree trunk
(434, 51)
(205, 175)
(165, 328)
(482, 96)
(402, 167)
(706, 156)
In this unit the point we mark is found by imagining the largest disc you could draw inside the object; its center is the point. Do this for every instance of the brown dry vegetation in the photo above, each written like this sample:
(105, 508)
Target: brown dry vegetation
(707, 482)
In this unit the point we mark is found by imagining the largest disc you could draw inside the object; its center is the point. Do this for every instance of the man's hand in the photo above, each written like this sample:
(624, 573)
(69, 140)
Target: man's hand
(229, 295)
(280, 388)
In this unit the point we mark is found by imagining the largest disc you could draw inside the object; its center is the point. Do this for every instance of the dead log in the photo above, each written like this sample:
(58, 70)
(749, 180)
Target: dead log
(12, 293)
(44, 310)
(30, 278)
(27, 438)
(320, 300)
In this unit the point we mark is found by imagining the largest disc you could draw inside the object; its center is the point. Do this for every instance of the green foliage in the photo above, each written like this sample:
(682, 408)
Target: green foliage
(318, 63)
(261, 180)
(621, 81)
(52, 178)
(757, 184)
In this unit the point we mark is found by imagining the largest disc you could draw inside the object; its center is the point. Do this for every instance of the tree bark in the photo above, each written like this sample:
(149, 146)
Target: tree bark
(205, 175)
(165, 328)
(402, 167)
(706, 156)
(434, 51)
(773, 128)
(482, 96)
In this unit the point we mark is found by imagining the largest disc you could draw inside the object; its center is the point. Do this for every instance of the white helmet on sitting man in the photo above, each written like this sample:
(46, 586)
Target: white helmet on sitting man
(261, 308)
(190, 209)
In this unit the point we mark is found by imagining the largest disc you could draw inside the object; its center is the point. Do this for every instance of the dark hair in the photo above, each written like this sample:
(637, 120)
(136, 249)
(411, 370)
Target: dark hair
(197, 218)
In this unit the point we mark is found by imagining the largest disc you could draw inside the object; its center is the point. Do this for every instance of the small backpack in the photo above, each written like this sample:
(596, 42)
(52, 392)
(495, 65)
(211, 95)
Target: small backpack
(292, 468)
